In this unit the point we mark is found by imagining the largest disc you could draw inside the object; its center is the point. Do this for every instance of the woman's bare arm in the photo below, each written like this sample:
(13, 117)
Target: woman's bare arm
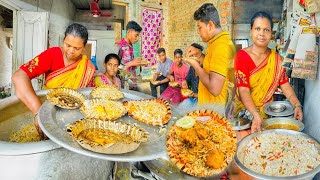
(213, 81)
(25, 92)
(291, 96)
(246, 99)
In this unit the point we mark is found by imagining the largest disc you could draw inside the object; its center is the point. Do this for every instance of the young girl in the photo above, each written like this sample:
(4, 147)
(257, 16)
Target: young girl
(177, 73)
(111, 64)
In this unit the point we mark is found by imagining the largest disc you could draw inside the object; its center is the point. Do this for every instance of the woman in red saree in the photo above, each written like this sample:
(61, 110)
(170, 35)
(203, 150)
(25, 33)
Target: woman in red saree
(63, 67)
(259, 72)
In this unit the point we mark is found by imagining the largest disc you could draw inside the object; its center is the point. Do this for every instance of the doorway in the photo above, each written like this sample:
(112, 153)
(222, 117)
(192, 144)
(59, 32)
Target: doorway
(6, 44)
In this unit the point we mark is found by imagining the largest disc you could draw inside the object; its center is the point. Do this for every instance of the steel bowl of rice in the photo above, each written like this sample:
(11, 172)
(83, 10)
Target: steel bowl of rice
(279, 154)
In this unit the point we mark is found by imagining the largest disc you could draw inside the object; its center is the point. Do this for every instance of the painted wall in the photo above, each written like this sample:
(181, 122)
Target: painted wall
(5, 57)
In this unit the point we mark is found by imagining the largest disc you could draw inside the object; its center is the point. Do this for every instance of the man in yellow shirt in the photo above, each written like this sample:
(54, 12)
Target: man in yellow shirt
(213, 84)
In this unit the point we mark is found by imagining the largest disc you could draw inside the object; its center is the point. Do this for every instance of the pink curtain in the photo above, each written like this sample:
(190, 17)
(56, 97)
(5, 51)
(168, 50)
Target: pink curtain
(151, 34)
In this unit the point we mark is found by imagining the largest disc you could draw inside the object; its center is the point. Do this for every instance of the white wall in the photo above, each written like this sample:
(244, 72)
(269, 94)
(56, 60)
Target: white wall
(5, 58)
(311, 108)
(105, 45)
(242, 31)
(61, 13)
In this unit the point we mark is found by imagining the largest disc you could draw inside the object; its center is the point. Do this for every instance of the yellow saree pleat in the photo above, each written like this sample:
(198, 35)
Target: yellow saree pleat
(263, 82)
(69, 79)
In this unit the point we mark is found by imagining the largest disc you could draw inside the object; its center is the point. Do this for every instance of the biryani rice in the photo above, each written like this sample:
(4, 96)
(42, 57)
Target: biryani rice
(28, 133)
(275, 154)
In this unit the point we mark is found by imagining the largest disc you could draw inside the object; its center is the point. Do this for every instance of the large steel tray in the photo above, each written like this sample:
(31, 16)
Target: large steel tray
(53, 121)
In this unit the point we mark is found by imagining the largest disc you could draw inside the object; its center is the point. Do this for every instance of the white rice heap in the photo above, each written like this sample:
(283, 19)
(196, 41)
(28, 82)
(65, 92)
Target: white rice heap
(275, 154)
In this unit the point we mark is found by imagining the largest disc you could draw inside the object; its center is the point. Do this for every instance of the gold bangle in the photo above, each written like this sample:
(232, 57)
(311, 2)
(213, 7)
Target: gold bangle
(256, 110)
(297, 105)
(290, 97)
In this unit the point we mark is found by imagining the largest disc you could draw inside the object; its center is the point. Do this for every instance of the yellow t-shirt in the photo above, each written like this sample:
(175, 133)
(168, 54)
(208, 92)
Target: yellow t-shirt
(219, 58)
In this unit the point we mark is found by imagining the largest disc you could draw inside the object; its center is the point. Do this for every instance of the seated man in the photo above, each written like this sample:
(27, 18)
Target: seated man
(177, 74)
(159, 78)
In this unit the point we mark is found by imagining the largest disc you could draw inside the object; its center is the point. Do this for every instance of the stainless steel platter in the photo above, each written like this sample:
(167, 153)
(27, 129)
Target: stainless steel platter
(53, 121)
(164, 169)
(278, 108)
(240, 124)
(244, 142)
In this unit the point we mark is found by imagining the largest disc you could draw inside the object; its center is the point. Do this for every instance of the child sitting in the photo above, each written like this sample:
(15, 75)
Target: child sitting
(177, 74)
(111, 64)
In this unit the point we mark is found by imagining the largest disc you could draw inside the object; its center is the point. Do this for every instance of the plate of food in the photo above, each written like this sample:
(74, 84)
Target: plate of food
(103, 109)
(109, 92)
(144, 62)
(54, 122)
(279, 154)
(154, 82)
(173, 84)
(202, 143)
(156, 111)
(65, 98)
(186, 92)
(106, 136)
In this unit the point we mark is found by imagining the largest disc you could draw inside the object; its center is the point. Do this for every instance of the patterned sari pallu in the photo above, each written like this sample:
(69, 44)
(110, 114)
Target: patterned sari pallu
(264, 80)
(76, 75)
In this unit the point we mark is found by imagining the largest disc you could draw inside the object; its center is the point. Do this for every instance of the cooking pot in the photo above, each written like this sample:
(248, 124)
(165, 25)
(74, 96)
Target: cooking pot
(44, 159)
(250, 174)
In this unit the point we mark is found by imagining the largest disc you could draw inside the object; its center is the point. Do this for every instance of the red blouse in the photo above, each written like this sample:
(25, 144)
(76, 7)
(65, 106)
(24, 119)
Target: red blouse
(244, 65)
(48, 61)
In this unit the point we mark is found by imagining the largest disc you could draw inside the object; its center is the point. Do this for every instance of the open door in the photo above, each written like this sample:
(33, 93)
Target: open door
(32, 39)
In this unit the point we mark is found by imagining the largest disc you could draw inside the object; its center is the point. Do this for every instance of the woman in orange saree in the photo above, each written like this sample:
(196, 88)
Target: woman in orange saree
(63, 67)
(259, 72)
